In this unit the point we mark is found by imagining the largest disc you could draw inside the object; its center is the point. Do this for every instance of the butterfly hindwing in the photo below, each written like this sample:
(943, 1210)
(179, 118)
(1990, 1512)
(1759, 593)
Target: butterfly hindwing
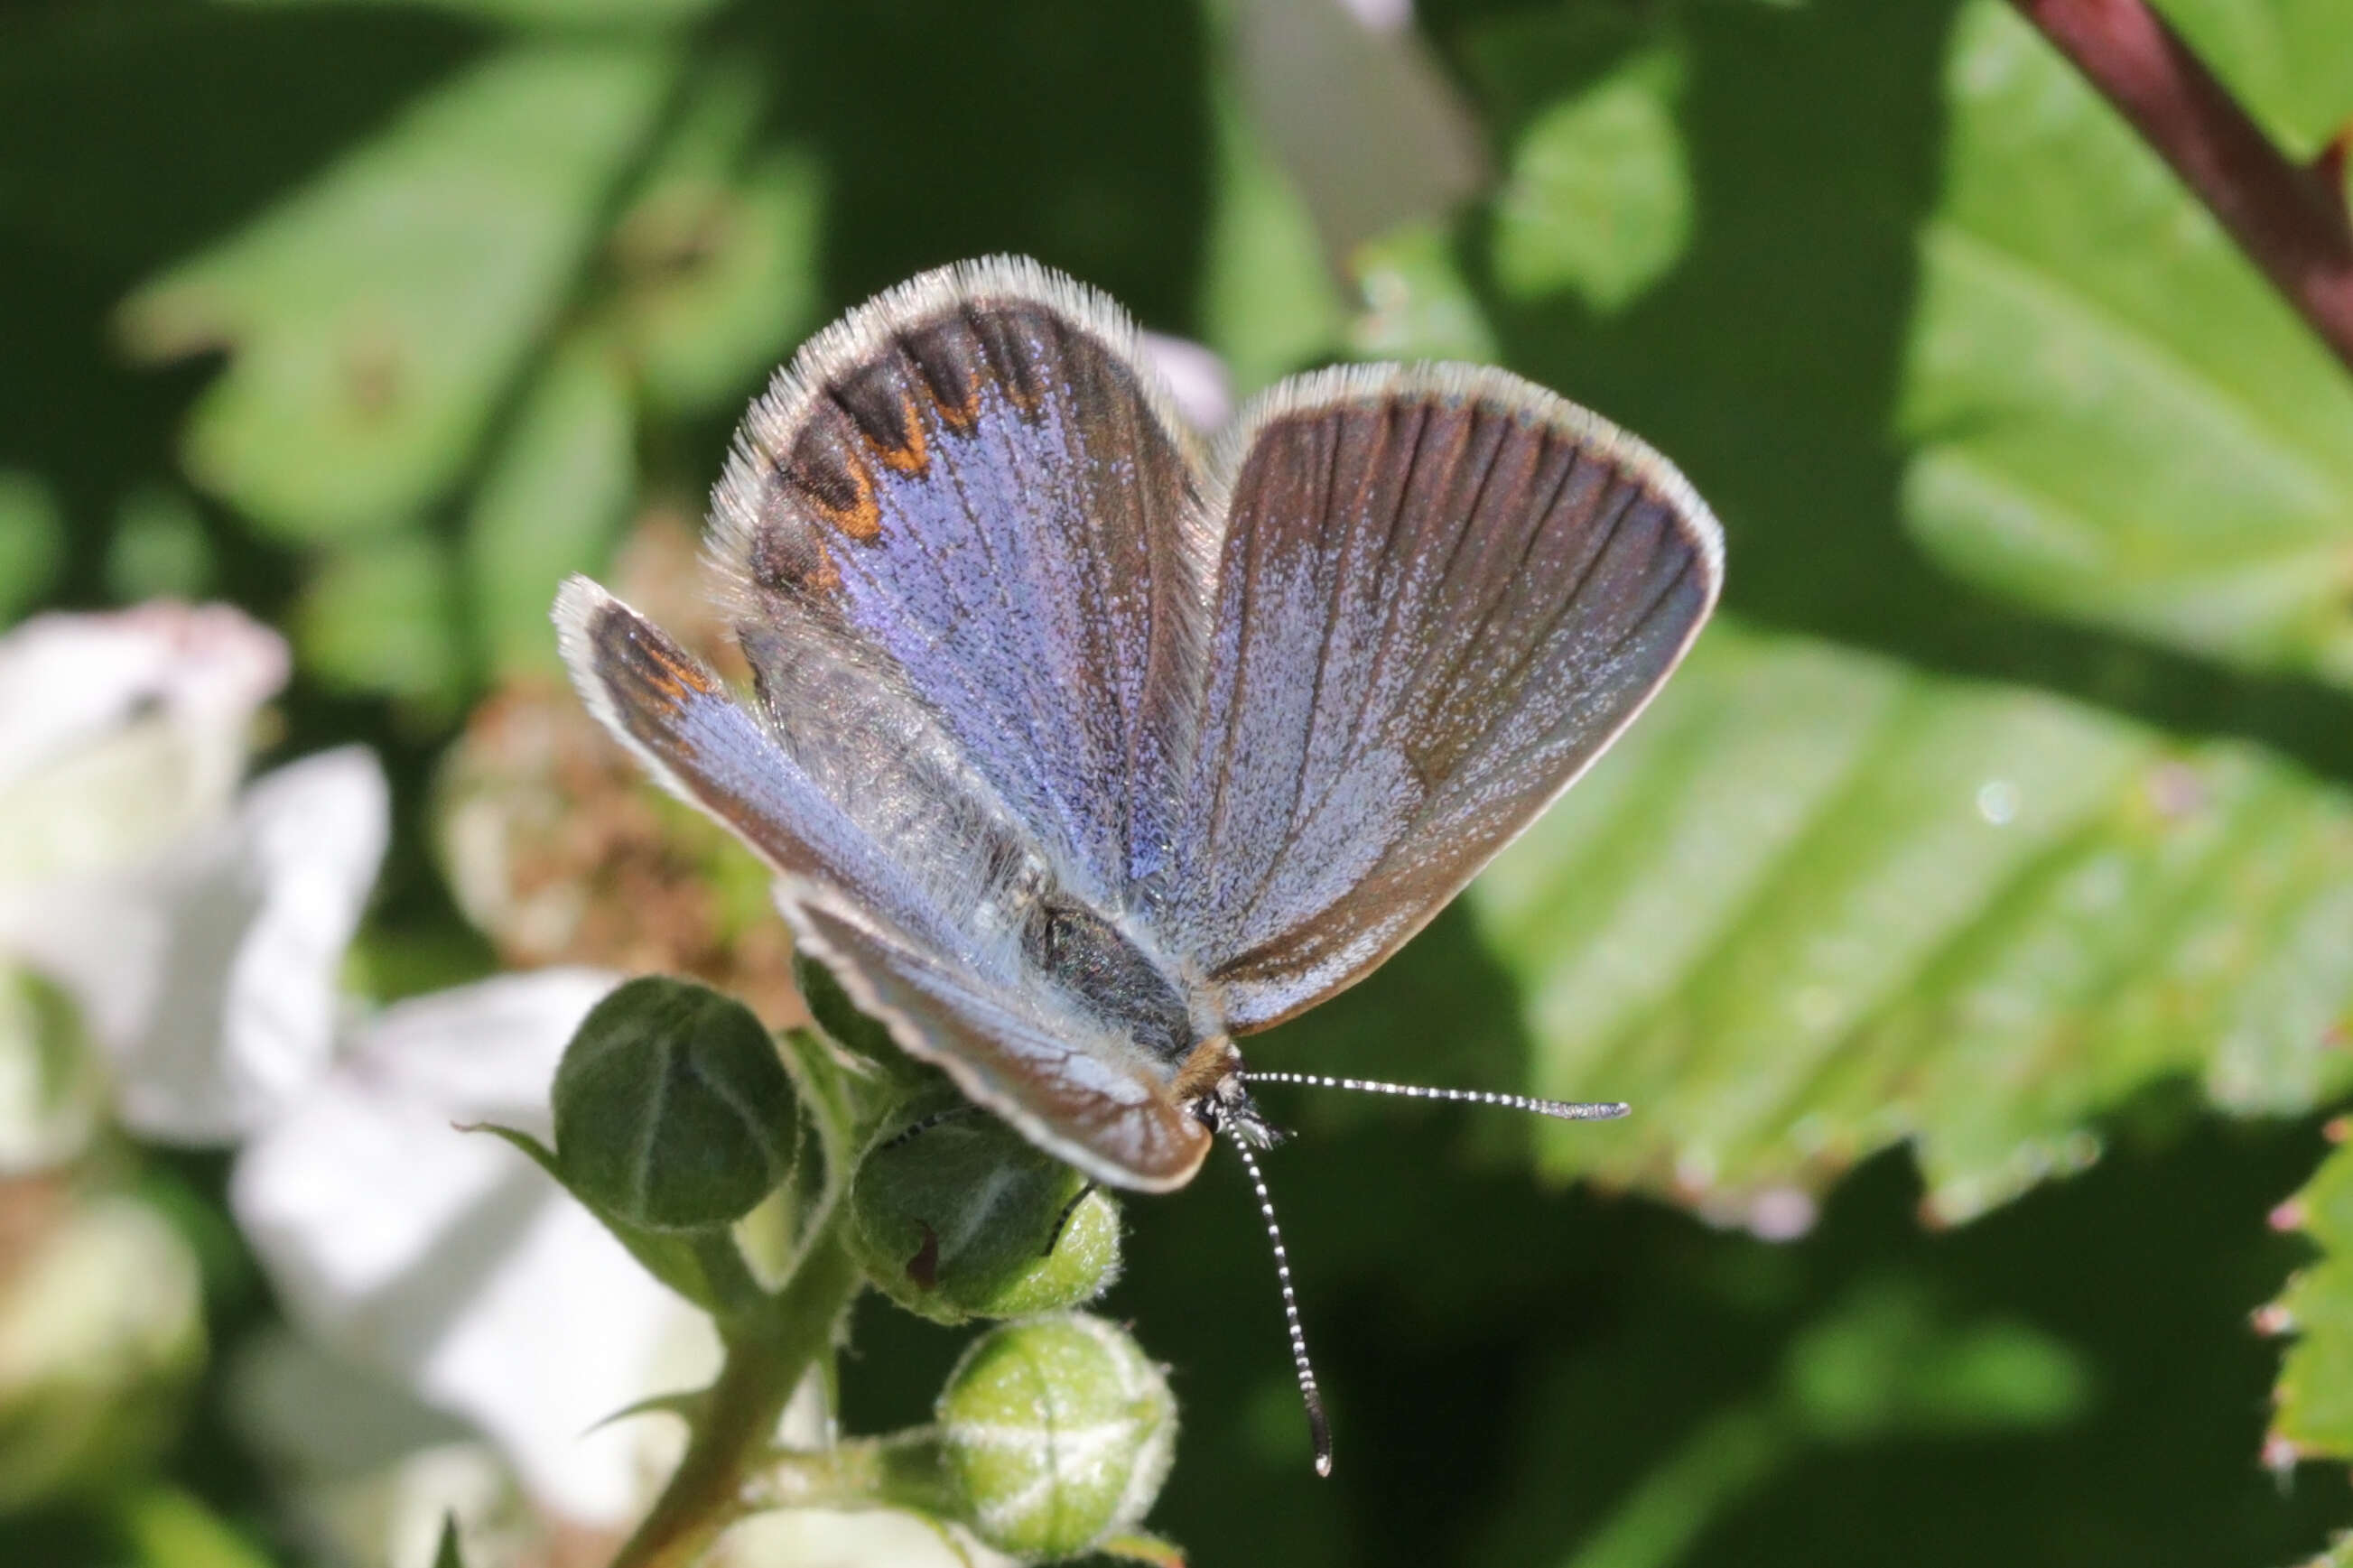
(1084, 1092)
(1442, 593)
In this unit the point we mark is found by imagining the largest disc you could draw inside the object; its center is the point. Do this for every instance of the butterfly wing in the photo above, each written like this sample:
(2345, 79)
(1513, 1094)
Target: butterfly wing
(930, 941)
(973, 488)
(1442, 593)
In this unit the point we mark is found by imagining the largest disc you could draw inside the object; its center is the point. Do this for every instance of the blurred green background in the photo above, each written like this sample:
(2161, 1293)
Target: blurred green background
(1971, 924)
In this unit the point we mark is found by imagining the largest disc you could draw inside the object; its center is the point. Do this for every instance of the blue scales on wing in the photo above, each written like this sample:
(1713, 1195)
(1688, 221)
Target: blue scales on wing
(1074, 752)
(938, 938)
(1442, 593)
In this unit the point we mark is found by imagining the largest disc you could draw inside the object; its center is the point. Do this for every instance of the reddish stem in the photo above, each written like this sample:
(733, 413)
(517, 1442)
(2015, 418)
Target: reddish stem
(2290, 219)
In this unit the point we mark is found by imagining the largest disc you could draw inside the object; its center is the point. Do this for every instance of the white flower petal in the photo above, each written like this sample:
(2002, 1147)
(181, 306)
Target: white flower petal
(448, 1260)
(120, 732)
(208, 976)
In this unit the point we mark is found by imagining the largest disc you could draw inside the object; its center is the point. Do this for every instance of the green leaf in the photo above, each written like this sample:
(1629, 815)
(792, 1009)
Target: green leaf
(2313, 1405)
(167, 1527)
(717, 260)
(2285, 59)
(554, 497)
(712, 1277)
(381, 617)
(32, 540)
(2113, 416)
(1269, 302)
(447, 1553)
(1416, 304)
(1892, 1359)
(1598, 201)
(1815, 903)
(376, 317)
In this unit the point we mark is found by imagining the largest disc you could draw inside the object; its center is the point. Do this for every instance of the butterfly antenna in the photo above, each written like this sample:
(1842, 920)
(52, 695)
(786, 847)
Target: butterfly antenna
(1318, 1428)
(1560, 1110)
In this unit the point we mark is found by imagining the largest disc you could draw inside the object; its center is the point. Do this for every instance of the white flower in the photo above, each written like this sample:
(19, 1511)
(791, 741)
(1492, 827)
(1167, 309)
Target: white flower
(197, 932)
(449, 1262)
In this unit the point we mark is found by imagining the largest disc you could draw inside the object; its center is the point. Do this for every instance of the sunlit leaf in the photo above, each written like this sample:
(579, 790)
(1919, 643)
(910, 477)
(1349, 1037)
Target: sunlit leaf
(32, 540)
(1815, 903)
(1598, 199)
(2313, 1409)
(376, 317)
(1269, 302)
(168, 1528)
(550, 505)
(382, 617)
(716, 259)
(1416, 302)
(2114, 417)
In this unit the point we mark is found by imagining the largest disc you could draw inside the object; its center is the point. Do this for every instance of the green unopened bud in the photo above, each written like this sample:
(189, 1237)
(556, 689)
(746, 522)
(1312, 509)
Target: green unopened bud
(962, 1218)
(101, 1337)
(673, 1108)
(1057, 1433)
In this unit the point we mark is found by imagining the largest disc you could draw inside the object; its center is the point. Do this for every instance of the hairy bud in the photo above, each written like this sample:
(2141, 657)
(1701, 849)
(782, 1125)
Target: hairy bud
(1057, 1432)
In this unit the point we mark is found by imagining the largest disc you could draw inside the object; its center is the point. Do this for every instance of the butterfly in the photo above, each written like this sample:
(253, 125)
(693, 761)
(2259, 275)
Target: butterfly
(1080, 750)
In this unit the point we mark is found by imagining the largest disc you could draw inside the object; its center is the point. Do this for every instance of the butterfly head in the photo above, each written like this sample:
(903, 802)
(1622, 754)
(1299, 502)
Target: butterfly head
(1209, 1085)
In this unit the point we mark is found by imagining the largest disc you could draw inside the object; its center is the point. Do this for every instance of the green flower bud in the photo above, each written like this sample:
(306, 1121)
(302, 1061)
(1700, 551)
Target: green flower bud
(1057, 1433)
(101, 1339)
(958, 1219)
(672, 1108)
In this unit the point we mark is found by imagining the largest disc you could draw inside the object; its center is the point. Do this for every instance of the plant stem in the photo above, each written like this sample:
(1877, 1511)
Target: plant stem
(768, 1353)
(901, 1471)
(2290, 219)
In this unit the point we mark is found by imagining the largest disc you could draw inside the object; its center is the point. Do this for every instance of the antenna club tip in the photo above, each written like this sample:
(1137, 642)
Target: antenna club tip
(1323, 1466)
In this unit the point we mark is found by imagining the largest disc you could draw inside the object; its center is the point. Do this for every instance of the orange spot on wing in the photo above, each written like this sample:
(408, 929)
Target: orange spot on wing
(912, 456)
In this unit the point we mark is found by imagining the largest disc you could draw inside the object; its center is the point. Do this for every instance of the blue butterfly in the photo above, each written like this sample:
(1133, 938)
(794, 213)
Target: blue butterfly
(1079, 751)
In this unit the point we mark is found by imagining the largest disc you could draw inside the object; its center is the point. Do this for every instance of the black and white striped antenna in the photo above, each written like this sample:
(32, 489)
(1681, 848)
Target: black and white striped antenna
(1559, 1110)
(1318, 1428)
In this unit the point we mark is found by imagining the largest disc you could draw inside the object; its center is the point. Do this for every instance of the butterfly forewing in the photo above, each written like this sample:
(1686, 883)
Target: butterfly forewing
(924, 943)
(974, 483)
(1442, 593)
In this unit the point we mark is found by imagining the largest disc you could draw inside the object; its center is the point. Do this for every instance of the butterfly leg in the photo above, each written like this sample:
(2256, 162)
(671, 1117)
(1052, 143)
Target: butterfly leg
(907, 1134)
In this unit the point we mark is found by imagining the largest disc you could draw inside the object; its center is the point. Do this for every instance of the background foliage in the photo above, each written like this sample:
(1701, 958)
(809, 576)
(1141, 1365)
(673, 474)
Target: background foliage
(1999, 833)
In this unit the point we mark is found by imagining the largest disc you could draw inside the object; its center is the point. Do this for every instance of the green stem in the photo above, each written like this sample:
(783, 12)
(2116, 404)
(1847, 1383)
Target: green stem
(768, 1353)
(903, 1470)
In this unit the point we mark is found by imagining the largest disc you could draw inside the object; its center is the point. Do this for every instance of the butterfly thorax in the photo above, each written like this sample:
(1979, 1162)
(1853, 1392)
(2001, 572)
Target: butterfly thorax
(1119, 980)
